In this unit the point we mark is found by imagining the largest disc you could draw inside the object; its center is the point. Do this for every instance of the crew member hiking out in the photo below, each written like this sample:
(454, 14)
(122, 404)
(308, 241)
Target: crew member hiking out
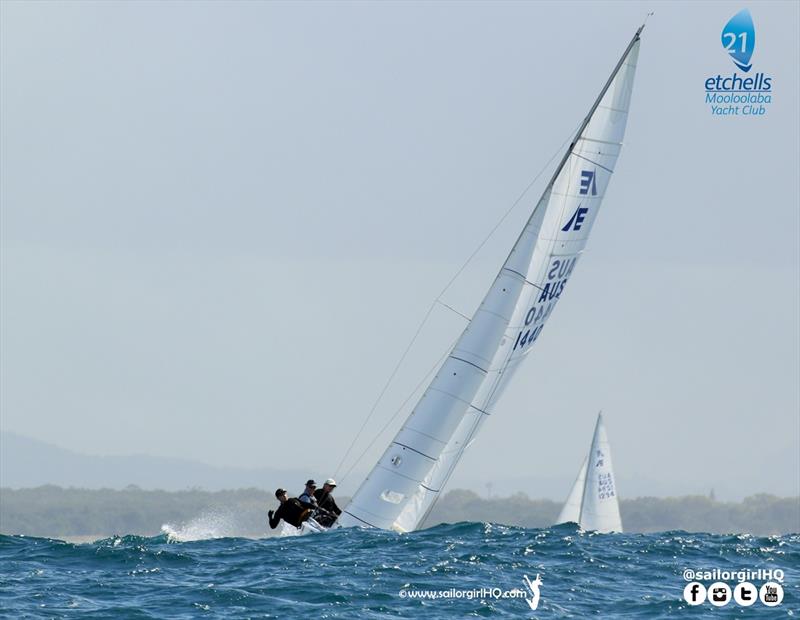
(330, 511)
(291, 510)
(307, 496)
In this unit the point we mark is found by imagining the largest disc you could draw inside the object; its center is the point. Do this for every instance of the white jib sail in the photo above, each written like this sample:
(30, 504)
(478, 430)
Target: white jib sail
(401, 488)
(571, 512)
(600, 505)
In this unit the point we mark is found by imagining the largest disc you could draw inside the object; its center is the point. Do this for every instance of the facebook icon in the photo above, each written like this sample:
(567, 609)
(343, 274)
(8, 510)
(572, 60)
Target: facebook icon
(694, 593)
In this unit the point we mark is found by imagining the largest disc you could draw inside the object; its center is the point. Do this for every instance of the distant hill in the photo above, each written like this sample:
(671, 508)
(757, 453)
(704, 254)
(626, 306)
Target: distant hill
(26, 462)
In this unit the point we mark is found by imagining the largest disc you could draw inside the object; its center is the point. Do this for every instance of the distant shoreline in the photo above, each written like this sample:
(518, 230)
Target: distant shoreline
(77, 515)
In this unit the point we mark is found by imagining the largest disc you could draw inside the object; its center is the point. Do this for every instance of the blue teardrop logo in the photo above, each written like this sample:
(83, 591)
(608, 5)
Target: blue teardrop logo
(739, 39)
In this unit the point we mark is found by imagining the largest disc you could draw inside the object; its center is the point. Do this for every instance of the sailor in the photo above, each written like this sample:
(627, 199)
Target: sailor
(291, 510)
(307, 496)
(327, 505)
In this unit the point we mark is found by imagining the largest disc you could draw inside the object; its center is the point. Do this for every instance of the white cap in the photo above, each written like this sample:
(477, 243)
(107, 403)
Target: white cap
(330, 482)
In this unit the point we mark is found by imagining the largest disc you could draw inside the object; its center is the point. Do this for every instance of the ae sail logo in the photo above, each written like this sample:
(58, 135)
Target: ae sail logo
(745, 93)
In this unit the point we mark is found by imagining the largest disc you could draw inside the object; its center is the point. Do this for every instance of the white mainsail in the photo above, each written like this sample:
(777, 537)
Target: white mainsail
(600, 505)
(402, 487)
(593, 503)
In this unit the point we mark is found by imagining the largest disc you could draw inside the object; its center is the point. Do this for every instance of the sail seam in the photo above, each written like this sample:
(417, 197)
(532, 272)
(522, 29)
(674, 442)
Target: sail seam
(594, 162)
(461, 400)
(599, 141)
(418, 432)
(524, 279)
(397, 443)
(613, 109)
(359, 519)
(397, 473)
(470, 363)
(506, 319)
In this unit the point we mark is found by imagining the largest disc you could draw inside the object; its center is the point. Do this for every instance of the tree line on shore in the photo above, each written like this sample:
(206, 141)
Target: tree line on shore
(69, 512)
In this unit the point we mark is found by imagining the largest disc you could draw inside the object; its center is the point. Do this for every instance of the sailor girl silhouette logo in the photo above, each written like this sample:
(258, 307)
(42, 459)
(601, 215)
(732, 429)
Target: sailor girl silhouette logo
(533, 586)
(739, 39)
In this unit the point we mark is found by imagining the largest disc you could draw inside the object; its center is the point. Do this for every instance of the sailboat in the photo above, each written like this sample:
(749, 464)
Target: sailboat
(592, 502)
(404, 484)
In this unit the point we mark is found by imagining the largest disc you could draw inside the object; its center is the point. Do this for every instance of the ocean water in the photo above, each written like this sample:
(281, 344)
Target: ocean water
(357, 573)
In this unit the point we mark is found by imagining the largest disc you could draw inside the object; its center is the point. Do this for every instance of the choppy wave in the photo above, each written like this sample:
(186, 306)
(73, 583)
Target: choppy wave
(211, 524)
(361, 573)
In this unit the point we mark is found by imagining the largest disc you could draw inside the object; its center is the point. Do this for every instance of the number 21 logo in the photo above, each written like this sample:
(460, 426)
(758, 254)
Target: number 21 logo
(739, 39)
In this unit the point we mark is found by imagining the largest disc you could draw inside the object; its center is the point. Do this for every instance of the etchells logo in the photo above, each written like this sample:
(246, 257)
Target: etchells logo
(732, 94)
(739, 38)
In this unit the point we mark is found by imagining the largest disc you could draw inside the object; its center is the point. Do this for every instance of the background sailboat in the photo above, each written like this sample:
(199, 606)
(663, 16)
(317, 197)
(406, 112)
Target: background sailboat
(592, 502)
(402, 487)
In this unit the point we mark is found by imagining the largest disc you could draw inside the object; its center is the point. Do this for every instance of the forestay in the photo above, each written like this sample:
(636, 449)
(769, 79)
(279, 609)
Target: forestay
(401, 488)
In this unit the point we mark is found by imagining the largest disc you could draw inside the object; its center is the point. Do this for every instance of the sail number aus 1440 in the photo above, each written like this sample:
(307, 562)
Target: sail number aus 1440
(558, 273)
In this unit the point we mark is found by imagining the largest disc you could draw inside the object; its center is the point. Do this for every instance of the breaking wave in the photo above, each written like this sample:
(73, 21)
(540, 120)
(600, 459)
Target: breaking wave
(209, 525)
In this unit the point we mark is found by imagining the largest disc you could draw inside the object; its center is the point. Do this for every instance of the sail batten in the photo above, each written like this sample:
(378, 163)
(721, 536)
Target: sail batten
(398, 494)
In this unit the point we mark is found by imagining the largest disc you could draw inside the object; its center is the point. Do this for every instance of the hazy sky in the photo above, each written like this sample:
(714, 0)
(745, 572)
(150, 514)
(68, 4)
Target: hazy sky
(222, 223)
